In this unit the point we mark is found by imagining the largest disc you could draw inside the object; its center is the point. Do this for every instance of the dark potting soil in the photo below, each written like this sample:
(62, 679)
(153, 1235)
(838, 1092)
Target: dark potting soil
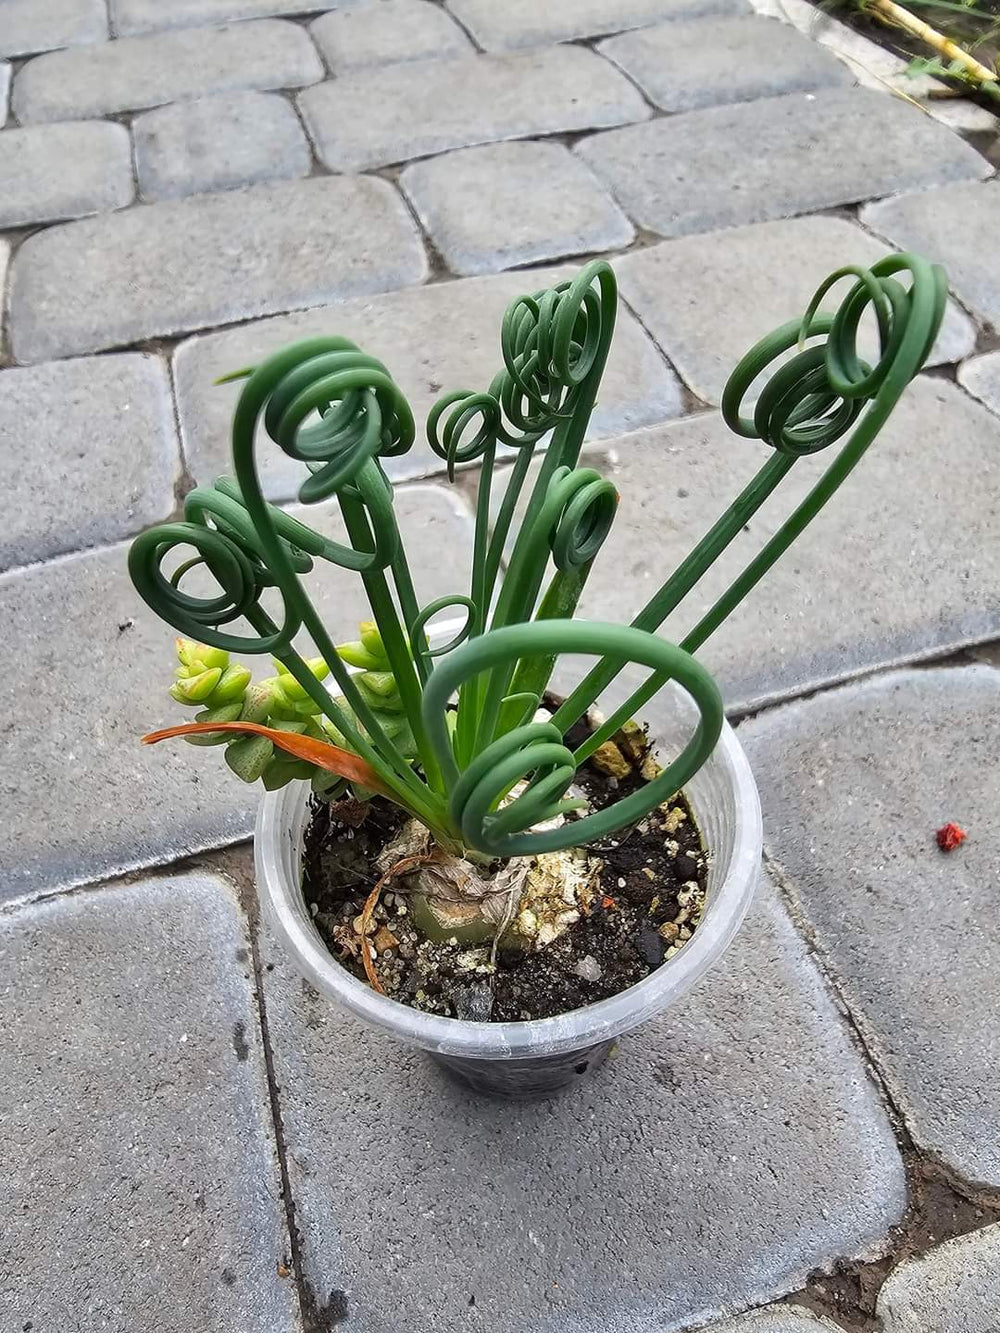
(647, 904)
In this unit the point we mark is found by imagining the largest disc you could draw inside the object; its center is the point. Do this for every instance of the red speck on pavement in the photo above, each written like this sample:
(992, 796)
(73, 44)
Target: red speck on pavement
(950, 837)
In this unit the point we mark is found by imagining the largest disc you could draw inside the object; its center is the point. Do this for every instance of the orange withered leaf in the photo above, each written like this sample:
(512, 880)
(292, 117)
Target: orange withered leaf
(321, 753)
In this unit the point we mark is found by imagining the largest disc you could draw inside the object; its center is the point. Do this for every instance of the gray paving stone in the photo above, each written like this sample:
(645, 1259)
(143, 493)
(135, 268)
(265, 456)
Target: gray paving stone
(432, 339)
(4, 260)
(880, 577)
(521, 23)
(726, 165)
(759, 277)
(384, 32)
(142, 1184)
(190, 263)
(139, 72)
(957, 227)
(4, 90)
(953, 1289)
(379, 116)
(583, 1218)
(218, 143)
(27, 26)
(104, 427)
(137, 16)
(89, 800)
(53, 172)
(981, 376)
(484, 210)
(854, 785)
(686, 66)
(778, 1319)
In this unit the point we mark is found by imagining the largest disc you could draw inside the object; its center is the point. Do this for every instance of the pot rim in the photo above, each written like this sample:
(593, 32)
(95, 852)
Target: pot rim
(278, 842)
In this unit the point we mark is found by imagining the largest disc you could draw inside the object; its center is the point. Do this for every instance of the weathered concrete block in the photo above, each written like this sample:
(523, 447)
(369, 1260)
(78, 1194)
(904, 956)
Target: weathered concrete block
(375, 117)
(136, 16)
(138, 72)
(190, 263)
(981, 376)
(854, 785)
(759, 277)
(717, 1099)
(432, 339)
(218, 143)
(387, 32)
(88, 453)
(29, 27)
(777, 1319)
(727, 165)
(4, 260)
(486, 209)
(957, 227)
(521, 23)
(953, 1289)
(141, 1181)
(705, 62)
(53, 172)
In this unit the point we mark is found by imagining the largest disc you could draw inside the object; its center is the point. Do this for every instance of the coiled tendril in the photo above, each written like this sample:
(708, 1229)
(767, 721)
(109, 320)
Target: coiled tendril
(362, 413)
(551, 343)
(538, 751)
(809, 402)
(328, 404)
(814, 398)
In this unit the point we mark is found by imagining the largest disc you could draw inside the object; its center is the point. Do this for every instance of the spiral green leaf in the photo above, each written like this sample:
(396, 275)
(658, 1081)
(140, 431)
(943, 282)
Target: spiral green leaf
(483, 774)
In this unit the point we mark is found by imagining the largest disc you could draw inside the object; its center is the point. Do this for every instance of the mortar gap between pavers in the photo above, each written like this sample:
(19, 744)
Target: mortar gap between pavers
(931, 658)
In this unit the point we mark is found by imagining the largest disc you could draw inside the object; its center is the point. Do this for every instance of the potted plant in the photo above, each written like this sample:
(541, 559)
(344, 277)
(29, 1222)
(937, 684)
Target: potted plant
(505, 879)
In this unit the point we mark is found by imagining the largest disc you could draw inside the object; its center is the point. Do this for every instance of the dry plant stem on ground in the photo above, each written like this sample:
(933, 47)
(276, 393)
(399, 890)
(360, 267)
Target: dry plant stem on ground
(896, 15)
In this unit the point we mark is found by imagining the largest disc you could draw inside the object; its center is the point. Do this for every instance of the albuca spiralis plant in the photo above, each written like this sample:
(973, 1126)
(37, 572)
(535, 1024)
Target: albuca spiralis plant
(449, 732)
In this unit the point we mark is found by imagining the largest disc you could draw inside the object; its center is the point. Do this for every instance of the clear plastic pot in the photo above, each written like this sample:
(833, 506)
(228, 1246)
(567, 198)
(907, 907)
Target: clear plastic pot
(522, 1059)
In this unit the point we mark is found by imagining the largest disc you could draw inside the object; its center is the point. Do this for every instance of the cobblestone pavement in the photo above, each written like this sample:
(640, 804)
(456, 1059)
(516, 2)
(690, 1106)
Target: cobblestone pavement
(189, 1138)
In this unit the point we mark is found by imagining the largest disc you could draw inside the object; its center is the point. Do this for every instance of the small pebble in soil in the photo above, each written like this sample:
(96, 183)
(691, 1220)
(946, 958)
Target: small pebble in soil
(588, 968)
